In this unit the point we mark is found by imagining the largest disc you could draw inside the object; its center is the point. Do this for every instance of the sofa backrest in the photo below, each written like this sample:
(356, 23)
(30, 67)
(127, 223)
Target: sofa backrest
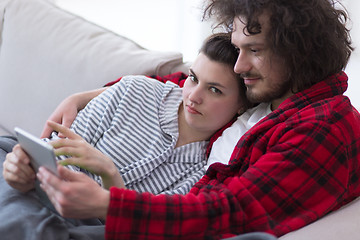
(47, 54)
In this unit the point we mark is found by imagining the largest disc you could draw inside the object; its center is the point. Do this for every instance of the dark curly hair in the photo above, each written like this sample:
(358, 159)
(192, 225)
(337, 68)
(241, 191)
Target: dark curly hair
(311, 35)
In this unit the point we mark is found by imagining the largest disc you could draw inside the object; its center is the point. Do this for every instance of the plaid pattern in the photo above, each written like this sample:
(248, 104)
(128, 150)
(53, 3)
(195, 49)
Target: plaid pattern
(177, 78)
(296, 165)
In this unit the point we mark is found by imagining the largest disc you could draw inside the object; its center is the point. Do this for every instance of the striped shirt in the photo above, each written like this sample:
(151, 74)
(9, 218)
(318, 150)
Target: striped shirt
(135, 122)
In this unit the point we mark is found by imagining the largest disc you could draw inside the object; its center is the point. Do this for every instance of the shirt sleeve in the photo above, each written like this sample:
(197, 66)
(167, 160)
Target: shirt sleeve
(96, 117)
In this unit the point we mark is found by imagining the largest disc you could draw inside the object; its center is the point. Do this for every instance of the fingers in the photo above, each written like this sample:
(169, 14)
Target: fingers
(20, 154)
(17, 172)
(67, 121)
(65, 131)
(72, 161)
(46, 132)
(53, 184)
(50, 184)
(67, 150)
(65, 146)
(70, 176)
(16, 166)
(77, 196)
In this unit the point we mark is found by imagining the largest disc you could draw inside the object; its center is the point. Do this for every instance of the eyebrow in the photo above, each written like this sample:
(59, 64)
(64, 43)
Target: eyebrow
(193, 73)
(251, 44)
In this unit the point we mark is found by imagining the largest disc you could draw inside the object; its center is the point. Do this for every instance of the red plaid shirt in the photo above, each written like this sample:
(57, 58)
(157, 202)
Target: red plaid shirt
(177, 78)
(296, 165)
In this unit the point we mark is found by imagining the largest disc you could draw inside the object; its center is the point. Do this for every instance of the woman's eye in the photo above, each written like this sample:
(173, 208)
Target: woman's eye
(215, 90)
(192, 78)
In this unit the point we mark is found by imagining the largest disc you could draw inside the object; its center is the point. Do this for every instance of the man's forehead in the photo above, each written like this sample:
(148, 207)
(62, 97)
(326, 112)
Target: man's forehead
(240, 22)
(240, 36)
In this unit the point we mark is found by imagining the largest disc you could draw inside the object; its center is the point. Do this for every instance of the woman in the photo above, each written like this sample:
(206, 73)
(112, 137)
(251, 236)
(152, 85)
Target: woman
(149, 136)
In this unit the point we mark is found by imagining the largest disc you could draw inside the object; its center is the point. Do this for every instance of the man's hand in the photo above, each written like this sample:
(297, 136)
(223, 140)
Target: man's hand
(74, 194)
(68, 109)
(17, 171)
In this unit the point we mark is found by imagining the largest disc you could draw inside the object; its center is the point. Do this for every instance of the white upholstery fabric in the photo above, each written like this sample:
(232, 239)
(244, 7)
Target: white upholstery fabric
(47, 53)
(343, 224)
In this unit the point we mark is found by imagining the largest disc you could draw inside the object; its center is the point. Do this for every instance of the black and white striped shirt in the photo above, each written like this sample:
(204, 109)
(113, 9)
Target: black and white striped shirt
(135, 122)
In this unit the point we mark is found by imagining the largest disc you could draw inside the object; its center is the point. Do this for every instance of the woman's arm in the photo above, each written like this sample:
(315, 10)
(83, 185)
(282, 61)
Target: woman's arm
(83, 155)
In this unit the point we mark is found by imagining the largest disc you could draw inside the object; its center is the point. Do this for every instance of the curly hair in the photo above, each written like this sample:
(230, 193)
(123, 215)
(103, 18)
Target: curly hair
(310, 35)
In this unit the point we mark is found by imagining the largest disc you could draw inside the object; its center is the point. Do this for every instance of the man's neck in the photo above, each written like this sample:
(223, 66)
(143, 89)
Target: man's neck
(276, 103)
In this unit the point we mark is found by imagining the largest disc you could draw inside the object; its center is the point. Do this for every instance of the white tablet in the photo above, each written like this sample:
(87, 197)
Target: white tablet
(40, 152)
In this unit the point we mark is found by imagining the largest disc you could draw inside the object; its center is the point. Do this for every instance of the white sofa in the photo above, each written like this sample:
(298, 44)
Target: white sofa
(47, 54)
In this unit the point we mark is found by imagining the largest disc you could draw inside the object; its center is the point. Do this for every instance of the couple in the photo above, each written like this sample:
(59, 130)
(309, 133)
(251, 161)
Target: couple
(148, 136)
(297, 164)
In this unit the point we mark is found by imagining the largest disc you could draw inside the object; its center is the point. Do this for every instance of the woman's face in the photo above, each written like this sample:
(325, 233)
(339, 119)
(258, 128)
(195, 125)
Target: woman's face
(211, 95)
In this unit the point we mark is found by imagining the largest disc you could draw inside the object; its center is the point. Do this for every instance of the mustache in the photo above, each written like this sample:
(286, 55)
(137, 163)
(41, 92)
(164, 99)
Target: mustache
(250, 75)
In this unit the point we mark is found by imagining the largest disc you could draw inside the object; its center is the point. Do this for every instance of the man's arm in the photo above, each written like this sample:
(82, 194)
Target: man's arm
(283, 190)
(298, 177)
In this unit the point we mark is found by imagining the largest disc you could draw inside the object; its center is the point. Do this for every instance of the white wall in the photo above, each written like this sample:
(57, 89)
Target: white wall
(353, 68)
(175, 25)
(168, 25)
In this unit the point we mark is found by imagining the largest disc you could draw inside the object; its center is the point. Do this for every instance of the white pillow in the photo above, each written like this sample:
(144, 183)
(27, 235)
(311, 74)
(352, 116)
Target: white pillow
(47, 53)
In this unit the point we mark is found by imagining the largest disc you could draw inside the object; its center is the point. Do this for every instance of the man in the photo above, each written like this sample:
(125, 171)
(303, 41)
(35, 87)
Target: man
(296, 165)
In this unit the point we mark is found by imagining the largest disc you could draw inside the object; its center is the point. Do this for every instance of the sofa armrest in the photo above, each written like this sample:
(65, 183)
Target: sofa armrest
(343, 224)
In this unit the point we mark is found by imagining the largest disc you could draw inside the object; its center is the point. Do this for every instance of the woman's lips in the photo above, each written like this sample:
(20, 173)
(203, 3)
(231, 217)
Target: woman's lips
(192, 110)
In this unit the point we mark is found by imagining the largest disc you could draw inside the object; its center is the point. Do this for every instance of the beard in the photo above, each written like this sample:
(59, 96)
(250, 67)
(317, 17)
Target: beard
(273, 92)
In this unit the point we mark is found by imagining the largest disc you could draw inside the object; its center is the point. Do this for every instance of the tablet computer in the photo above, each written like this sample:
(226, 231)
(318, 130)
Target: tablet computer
(40, 152)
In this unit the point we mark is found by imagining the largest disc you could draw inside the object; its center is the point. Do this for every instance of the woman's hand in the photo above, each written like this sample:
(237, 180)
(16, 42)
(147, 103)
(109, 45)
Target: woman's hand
(85, 156)
(73, 194)
(17, 171)
(67, 110)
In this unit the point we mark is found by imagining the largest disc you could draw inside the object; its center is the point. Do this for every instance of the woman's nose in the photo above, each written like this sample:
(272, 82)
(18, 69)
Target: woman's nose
(196, 95)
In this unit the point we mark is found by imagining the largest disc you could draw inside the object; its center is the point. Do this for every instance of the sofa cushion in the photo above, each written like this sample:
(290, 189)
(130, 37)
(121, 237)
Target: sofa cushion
(47, 53)
(340, 224)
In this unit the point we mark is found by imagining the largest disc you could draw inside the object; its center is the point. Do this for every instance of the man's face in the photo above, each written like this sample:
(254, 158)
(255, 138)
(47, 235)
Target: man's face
(263, 72)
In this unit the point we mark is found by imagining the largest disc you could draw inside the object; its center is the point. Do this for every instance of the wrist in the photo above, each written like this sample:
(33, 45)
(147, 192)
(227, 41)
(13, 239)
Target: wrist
(84, 98)
(112, 178)
(104, 204)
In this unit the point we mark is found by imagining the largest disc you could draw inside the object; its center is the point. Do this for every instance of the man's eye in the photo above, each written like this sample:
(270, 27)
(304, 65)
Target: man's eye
(254, 50)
